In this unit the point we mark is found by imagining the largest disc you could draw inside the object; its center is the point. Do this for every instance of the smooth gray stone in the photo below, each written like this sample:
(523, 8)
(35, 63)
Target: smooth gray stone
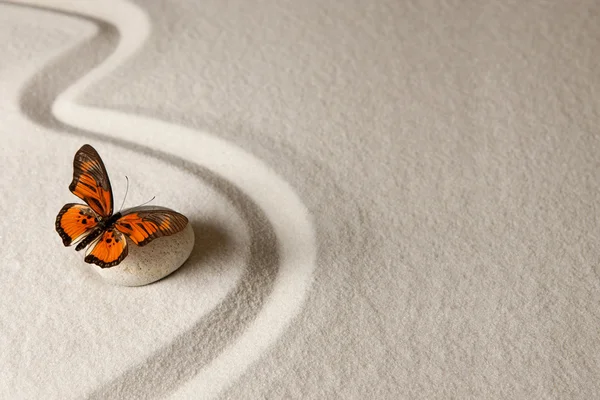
(154, 261)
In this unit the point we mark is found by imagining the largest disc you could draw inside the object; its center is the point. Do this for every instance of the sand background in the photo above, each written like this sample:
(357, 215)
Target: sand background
(446, 153)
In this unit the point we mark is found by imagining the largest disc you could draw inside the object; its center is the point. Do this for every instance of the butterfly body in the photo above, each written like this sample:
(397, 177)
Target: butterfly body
(103, 224)
(96, 227)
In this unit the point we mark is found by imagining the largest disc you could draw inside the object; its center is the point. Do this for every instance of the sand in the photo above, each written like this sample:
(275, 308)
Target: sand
(392, 199)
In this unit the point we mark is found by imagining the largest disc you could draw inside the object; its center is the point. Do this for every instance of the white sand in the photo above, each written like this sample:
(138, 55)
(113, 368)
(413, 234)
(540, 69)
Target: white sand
(392, 199)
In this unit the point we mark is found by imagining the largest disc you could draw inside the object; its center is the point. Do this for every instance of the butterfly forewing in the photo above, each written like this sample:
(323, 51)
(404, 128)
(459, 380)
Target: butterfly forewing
(90, 181)
(143, 226)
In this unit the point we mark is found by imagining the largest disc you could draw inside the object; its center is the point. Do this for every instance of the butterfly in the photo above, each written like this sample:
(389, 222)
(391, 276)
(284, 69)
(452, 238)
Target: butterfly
(96, 227)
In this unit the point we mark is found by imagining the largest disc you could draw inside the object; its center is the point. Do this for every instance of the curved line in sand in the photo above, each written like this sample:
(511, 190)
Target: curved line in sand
(289, 217)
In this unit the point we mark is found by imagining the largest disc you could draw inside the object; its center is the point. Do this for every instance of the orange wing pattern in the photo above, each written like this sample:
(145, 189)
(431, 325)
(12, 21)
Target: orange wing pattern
(74, 222)
(94, 224)
(90, 181)
(107, 250)
(144, 226)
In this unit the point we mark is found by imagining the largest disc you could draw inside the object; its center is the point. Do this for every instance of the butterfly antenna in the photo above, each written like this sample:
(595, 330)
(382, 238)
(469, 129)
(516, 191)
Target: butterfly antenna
(126, 191)
(141, 205)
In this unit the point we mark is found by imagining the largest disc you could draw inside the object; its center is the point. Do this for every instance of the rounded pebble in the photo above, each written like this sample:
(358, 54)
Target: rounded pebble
(154, 261)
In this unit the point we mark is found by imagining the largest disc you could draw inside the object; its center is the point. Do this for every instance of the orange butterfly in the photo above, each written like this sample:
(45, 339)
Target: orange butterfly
(96, 226)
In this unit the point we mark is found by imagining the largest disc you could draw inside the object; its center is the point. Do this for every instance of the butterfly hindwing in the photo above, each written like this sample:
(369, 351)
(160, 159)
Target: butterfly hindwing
(74, 222)
(143, 226)
(108, 250)
(90, 181)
